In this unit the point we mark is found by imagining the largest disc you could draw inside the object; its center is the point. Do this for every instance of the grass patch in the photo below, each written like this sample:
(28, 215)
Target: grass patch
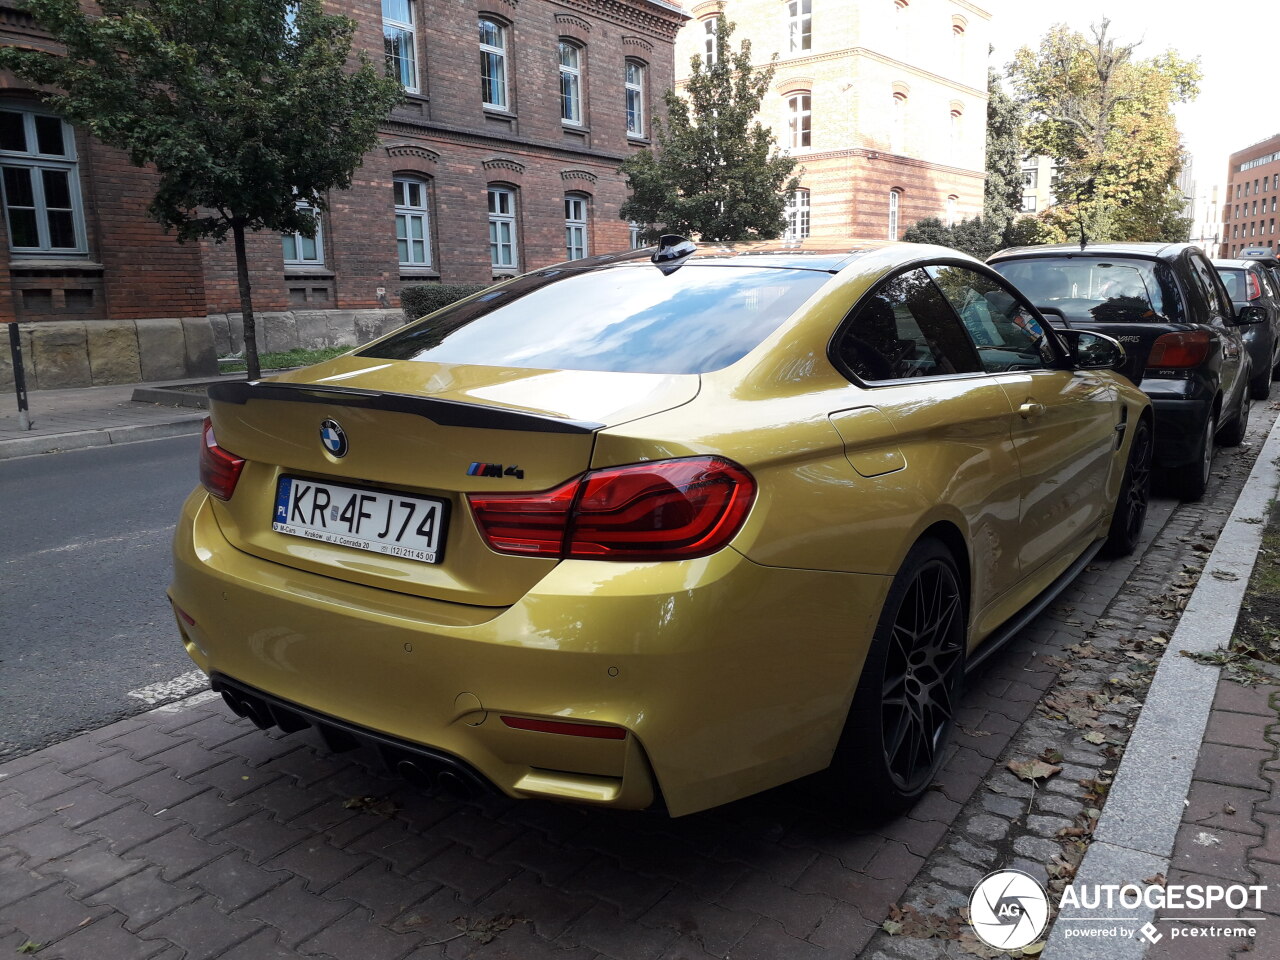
(1254, 653)
(288, 358)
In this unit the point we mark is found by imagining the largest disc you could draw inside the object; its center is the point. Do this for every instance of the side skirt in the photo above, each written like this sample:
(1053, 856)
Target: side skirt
(1009, 629)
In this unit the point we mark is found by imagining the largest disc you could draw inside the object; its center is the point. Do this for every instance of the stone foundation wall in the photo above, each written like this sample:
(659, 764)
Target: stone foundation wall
(96, 352)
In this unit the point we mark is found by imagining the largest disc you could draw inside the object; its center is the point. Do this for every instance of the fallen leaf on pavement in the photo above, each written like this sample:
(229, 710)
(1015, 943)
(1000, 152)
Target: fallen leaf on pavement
(1032, 770)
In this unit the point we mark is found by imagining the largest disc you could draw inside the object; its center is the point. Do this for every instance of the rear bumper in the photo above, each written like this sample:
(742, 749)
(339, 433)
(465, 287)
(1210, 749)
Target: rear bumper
(1181, 409)
(727, 677)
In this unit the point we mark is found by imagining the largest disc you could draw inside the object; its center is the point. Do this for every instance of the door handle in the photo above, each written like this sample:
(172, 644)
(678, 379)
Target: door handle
(1030, 410)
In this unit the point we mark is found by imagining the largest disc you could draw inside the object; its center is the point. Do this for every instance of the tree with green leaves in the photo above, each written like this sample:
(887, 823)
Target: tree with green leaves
(1107, 120)
(716, 172)
(249, 111)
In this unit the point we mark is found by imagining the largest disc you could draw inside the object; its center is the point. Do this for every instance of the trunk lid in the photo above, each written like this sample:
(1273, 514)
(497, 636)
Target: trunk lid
(428, 431)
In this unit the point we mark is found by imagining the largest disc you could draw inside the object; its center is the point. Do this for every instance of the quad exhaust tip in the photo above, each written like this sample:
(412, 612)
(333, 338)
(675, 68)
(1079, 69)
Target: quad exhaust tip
(431, 772)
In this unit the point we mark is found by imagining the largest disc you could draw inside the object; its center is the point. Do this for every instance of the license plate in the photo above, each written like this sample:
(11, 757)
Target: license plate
(379, 521)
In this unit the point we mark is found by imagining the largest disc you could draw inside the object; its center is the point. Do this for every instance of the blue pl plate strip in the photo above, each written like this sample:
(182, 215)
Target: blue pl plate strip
(282, 500)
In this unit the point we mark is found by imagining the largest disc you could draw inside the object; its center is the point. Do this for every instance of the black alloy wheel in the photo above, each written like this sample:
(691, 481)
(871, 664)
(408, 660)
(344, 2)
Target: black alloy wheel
(1190, 481)
(1135, 494)
(921, 676)
(904, 707)
(1233, 435)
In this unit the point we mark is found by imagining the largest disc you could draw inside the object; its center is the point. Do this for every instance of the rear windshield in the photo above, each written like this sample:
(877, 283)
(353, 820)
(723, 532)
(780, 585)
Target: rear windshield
(1097, 288)
(626, 317)
(1235, 282)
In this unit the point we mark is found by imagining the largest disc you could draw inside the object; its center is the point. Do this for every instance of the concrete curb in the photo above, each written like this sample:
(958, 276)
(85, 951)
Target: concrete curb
(1134, 837)
(82, 439)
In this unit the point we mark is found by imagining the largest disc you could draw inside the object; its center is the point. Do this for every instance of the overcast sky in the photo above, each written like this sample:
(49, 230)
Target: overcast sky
(1230, 49)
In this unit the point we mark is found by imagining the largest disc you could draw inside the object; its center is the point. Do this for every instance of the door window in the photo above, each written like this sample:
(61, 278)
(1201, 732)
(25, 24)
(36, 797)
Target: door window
(1006, 333)
(905, 330)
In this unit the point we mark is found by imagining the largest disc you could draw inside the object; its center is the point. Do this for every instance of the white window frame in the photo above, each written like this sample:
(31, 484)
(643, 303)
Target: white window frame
(633, 236)
(392, 27)
(408, 215)
(494, 55)
(1028, 203)
(895, 200)
(504, 253)
(952, 208)
(635, 97)
(957, 127)
(800, 120)
(799, 25)
(798, 214)
(577, 222)
(898, 123)
(36, 163)
(571, 84)
(298, 240)
(710, 44)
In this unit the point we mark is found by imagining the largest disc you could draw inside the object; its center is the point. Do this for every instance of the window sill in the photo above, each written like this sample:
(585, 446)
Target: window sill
(638, 141)
(570, 127)
(306, 271)
(419, 273)
(498, 113)
(21, 264)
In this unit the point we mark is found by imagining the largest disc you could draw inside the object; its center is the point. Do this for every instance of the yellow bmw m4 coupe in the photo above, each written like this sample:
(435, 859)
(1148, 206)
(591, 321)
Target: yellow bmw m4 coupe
(670, 527)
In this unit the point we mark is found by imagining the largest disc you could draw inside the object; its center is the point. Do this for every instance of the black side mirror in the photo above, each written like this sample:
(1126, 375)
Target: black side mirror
(1251, 314)
(1094, 351)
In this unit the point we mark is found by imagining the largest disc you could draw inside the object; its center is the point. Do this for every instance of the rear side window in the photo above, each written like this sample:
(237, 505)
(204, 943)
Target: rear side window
(1236, 283)
(626, 317)
(905, 330)
(1099, 289)
(1006, 333)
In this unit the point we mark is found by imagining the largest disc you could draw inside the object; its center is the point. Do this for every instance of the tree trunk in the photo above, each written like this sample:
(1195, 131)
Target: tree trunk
(246, 302)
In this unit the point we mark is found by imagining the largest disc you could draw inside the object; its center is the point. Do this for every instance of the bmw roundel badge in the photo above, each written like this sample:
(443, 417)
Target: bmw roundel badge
(334, 438)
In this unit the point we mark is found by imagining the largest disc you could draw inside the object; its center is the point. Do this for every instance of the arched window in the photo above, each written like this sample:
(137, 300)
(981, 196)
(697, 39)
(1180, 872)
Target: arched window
(797, 214)
(503, 254)
(898, 122)
(634, 83)
(952, 203)
(799, 120)
(894, 198)
(40, 183)
(413, 233)
(570, 83)
(493, 64)
(399, 40)
(957, 124)
(800, 25)
(576, 245)
(710, 29)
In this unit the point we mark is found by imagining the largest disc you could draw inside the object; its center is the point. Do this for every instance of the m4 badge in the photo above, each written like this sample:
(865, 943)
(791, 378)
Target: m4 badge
(494, 470)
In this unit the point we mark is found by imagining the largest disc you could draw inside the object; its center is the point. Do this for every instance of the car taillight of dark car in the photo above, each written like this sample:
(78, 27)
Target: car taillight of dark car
(1187, 349)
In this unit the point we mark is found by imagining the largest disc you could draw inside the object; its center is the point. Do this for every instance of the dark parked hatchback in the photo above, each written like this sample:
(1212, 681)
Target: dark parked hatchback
(1166, 304)
(1251, 283)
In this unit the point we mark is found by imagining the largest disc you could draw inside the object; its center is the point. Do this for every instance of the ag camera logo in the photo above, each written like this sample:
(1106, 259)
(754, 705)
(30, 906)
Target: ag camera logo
(1008, 909)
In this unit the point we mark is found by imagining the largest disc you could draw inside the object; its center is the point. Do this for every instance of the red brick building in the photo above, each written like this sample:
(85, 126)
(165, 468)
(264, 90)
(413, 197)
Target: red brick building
(1249, 211)
(503, 157)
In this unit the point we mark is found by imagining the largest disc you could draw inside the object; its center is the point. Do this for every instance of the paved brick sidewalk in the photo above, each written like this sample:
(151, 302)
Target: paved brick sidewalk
(87, 417)
(1231, 830)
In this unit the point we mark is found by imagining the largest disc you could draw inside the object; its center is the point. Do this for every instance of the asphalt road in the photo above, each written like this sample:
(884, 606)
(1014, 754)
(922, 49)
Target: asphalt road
(84, 562)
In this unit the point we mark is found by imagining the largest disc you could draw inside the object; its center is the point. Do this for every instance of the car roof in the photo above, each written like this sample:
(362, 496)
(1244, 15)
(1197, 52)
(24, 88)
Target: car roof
(1239, 264)
(829, 254)
(1150, 251)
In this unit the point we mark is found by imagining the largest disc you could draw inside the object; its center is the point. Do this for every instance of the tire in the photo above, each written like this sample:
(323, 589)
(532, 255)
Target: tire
(1190, 481)
(1233, 434)
(1260, 386)
(904, 708)
(1135, 493)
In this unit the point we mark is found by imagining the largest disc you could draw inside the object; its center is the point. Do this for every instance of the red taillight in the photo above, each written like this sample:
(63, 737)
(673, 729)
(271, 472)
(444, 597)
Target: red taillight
(664, 510)
(219, 470)
(1179, 349)
(1255, 289)
(593, 731)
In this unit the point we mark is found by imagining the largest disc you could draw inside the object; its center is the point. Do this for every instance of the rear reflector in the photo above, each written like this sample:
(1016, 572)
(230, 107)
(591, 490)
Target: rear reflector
(661, 510)
(590, 730)
(189, 620)
(1179, 349)
(219, 470)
